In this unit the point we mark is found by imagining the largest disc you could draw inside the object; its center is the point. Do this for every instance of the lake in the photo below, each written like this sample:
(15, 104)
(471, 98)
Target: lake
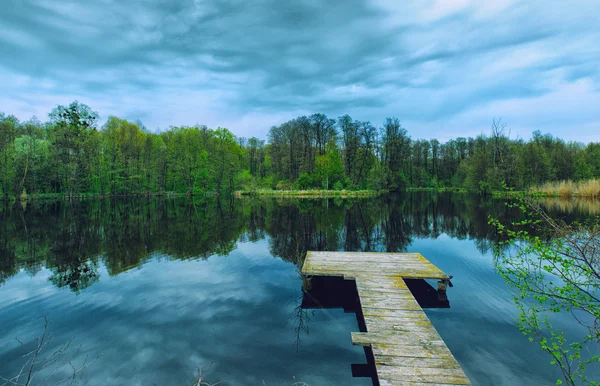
(161, 287)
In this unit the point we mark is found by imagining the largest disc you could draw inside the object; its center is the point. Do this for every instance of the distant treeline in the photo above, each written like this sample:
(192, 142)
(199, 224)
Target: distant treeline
(70, 155)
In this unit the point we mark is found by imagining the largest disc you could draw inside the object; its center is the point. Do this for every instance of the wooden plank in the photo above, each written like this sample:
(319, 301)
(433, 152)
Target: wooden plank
(362, 284)
(368, 341)
(385, 312)
(386, 301)
(407, 348)
(407, 374)
(421, 363)
(366, 263)
(365, 256)
(423, 351)
(387, 382)
(375, 295)
(405, 271)
(394, 317)
(425, 371)
(364, 290)
(390, 304)
(407, 337)
(369, 260)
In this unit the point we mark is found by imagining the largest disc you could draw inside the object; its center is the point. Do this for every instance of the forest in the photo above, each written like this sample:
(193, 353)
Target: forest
(72, 155)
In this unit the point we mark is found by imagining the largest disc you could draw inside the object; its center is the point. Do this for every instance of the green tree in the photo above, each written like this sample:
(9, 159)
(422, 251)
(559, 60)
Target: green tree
(329, 168)
(556, 273)
(74, 129)
(227, 157)
(8, 126)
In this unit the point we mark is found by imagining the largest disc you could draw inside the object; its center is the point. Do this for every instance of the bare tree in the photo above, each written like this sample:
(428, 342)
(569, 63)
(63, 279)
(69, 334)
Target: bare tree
(200, 381)
(498, 135)
(43, 366)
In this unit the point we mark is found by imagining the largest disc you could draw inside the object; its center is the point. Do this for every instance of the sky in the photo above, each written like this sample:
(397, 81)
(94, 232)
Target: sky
(445, 68)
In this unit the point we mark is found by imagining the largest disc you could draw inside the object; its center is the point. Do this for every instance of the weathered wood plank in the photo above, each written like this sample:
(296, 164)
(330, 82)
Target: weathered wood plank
(387, 382)
(424, 351)
(406, 337)
(425, 371)
(395, 373)
(385, 312)
(421, 363)
(384, 264)
(376, 315)
(392, 304)
(365, 256)
(366, 261)
(396, 293)
(381, 287)
(408, 273)
(408, 341)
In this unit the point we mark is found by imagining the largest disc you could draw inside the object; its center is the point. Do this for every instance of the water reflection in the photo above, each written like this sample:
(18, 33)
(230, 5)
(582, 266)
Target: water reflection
(570, 206)
(162, 286)
(72, 238)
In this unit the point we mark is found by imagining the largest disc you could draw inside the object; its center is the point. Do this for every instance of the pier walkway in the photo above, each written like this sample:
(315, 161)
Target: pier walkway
(406, 347)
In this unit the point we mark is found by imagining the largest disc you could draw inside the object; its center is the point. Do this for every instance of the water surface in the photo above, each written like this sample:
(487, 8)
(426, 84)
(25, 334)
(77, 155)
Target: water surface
(160, 287)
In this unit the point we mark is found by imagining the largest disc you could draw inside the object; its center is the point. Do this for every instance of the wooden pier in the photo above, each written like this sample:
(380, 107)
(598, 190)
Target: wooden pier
(406, 347)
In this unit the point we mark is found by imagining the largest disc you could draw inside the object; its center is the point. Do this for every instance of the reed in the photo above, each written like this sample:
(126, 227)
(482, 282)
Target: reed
(587, 188)
(312, 193)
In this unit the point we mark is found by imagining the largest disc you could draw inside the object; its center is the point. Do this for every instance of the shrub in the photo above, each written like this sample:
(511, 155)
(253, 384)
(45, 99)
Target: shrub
(303, 182)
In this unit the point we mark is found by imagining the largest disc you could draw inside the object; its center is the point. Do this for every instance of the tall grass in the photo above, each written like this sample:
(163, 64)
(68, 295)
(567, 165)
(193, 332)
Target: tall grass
(441, 189)
(587, 188)
(312, 193)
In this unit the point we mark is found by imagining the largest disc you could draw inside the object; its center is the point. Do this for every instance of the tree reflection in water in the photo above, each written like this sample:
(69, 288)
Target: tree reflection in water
(72, 239)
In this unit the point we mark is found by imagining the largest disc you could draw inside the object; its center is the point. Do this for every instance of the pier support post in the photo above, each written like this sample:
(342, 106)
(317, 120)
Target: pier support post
(443, 285)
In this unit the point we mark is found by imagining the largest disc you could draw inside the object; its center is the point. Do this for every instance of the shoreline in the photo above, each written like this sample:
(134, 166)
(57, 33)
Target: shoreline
(315, 193)
(237, 194)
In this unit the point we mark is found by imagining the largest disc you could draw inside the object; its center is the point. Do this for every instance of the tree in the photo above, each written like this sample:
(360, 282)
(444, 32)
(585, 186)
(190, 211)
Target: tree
(74, 127)
(8, 125)
(351, 143)
(69, 156)
(226, 154)
(329, 168)
(124, 147)
(396, 145)
(556, 273)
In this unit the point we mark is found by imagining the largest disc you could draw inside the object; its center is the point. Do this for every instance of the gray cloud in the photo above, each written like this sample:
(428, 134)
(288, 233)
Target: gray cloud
(249, 64)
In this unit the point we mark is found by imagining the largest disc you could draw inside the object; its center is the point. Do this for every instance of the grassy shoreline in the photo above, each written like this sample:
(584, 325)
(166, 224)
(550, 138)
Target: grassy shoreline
(560, 189)
(438, 190)
(567, 189)
(81, 196)
(274, 193)
(312, 193)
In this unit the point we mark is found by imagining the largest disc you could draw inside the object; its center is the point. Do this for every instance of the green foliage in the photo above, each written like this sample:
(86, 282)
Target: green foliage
(283, 185)
(377, 178)
(303, 182)
(328, 167)
(244, 181)
(556, 273)
(71, 156)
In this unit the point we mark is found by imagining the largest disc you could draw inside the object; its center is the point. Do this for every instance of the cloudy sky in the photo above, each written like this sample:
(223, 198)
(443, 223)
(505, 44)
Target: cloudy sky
(444, 67)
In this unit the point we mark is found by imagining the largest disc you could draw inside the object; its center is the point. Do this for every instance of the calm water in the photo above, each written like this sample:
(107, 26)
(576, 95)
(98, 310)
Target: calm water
(161, 287)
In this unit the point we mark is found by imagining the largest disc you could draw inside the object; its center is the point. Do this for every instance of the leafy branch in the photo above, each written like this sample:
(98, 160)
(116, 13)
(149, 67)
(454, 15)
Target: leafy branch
(554, 267)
